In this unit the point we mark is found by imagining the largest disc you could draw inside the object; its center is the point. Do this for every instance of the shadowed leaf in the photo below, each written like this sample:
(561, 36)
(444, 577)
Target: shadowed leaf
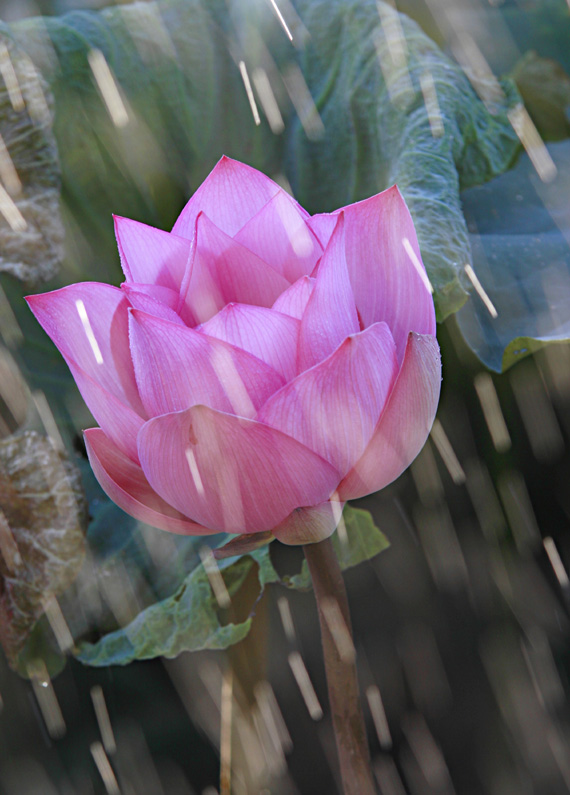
(520, 235)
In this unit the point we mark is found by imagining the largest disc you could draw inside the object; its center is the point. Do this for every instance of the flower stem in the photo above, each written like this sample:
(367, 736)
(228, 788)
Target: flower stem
(340, 667)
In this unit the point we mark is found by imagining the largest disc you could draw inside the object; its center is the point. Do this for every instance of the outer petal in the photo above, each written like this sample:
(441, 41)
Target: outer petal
(323, 226)
(151, 301)
(269, 335)
(294, 300)
(279, 235)
(383, 258)
(331, 314)
(229, 473)
(225, 271)
(89, 324)
(178, 367)
(310, 525)
(120, 423)
(405, 423)
(149, 255)
(230, 195)
(124, 482)
(333, 408)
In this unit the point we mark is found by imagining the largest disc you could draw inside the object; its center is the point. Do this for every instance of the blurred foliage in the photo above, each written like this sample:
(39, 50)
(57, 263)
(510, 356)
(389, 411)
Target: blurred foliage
(545, 89)
(31, 245)
(520, 233)
(183, 115)
(377, 130)
(42, 525)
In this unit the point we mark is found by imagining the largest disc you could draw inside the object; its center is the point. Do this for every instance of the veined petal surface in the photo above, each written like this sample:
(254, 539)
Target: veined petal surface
(279, 234)
(223, 271)
(89, 324)
(405, 422)
(124, 482)
(294, 300)
(230, 195)
(230, 473)
(177, 367)
(151, 256)
(334, 407)
(119, 422)
(158, 301)
(384, 265)
(265, 333)
(331, 313)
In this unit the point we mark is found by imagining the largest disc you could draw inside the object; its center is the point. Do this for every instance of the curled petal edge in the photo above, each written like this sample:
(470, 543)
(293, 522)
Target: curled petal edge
(125, 484)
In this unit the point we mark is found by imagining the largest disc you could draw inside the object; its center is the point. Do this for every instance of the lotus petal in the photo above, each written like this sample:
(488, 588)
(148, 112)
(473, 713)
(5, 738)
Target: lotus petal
(267, 334)
(405, 423)
(124, 482)
(334, 407)
(231, 473)
(331, 314)
(178, 367)
(230, 195)
(89, 324)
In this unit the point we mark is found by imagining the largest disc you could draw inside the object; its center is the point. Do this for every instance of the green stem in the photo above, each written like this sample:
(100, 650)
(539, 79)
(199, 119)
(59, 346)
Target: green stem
(340, 667)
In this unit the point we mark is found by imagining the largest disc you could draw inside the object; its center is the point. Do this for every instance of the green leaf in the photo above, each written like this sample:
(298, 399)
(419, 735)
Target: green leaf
(363, 540)
(377, 130)
(520, 233)
(176, 65)
(190, 618)
(186, 621)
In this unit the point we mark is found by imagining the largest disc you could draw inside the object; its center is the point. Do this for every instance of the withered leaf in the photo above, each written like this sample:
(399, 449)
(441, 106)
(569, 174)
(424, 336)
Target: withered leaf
(43, 517)
(31, 228)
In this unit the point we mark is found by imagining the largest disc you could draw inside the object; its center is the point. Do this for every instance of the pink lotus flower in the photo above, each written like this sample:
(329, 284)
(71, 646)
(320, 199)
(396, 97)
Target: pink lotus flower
(259, 366)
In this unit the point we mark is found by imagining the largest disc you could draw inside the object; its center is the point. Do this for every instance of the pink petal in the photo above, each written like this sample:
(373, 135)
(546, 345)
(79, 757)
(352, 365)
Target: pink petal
(229, 473)
(149, 255)
(120, 423)
(323, 226)
(381, 249)
(224, 271)
(294, 300)
(178, 367)
(89, 324)
(124, 482)
(267, 334)
(230, 195)
(333, 408)
(405, 423)
(158, 301)
(331, 314)
(279, 235)
(309, 525)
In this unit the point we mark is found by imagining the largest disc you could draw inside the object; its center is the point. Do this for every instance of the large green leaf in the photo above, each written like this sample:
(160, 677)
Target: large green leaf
(520, 234)
(189, 618)
(377, 130)
(176, 63)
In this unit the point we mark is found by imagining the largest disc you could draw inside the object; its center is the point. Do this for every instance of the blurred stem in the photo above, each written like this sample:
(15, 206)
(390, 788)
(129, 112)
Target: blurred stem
(340, 667)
